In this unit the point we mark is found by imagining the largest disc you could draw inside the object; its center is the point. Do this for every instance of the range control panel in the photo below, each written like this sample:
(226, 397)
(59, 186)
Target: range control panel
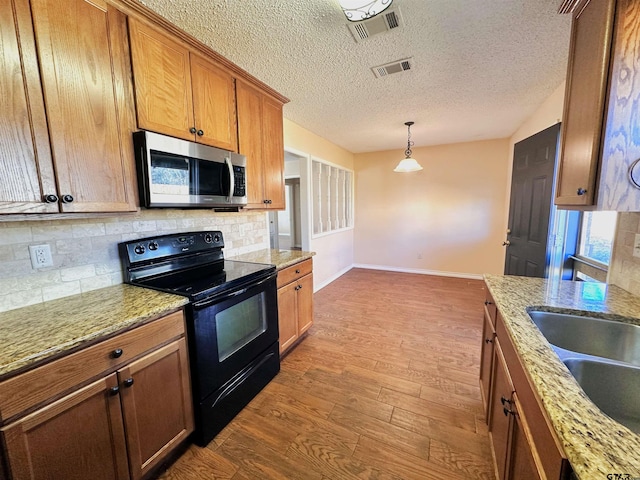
(156, 248)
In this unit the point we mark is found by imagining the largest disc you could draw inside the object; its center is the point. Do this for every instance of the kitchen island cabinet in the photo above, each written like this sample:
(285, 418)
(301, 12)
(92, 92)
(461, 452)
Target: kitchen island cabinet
(519, 450)
(94, 411)
(65, 82)
(548, 401)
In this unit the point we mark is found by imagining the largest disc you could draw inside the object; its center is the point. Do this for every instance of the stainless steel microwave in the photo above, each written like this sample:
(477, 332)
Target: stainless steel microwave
(182, 174)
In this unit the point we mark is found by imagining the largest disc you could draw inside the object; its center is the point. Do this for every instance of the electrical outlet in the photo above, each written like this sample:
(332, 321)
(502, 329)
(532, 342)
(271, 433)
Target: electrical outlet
(636, 246)
(40, 256)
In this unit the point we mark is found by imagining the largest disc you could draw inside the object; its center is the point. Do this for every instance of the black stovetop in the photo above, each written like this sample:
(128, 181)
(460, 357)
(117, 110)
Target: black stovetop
(189, 264)
(206, 281)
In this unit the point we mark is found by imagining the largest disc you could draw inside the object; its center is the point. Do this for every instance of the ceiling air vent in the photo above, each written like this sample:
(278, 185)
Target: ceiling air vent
(384, 22)
(398, 66)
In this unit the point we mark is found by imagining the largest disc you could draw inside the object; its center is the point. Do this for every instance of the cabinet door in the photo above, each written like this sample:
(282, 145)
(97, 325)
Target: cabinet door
(585, 98)
(621, 143)
(250, 141)
(84, 61)
(287, 315)
(162, 79)
(26, 168)
(273, 153)
(77, 437)
(486, 363)
(305, 303)
(214, 103)
(522, 463)
(156, 400)
(500, 424)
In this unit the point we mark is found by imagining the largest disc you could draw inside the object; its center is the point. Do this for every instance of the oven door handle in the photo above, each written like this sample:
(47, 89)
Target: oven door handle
(210, 301)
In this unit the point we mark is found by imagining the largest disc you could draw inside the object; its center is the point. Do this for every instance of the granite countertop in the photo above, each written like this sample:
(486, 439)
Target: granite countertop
(32, 335)
(595, 444)
(280, 258)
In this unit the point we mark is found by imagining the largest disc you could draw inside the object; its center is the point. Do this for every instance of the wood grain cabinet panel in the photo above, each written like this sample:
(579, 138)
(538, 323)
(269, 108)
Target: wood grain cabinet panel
(121, 425)
(26, 166)
(180, 93)
(214, 103)
(523, 442)
(600, 142)
(295, 303)
(585, 97)
(621, 147)
(260, 139)
(156, 400)
(162, 79)
(80, 56)
(287, 316)
(53, 441)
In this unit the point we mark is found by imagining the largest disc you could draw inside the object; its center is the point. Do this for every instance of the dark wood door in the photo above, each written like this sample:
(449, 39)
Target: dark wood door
(534, 161)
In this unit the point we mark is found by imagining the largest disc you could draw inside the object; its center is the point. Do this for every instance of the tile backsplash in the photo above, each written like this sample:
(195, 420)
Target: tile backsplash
(85, 253)
(624, 270)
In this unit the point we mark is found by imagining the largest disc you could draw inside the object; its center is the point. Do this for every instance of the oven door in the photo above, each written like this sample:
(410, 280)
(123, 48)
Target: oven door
(230, 331)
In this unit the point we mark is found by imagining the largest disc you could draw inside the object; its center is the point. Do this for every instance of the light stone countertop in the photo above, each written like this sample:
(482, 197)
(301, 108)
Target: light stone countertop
(280, 258)
(595, 444)
(30, 336)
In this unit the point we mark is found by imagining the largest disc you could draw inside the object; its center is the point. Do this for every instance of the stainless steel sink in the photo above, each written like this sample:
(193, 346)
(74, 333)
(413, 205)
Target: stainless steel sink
(591, 336)
(614, 388)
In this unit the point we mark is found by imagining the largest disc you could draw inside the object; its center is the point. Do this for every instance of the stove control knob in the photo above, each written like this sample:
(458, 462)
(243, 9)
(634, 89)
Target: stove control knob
(208, 238)
(139, 249)
(153, 245)
(216, 238)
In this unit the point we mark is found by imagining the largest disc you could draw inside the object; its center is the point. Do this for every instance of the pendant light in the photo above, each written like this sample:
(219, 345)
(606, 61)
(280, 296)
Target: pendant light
(408, 164)
(358, 10)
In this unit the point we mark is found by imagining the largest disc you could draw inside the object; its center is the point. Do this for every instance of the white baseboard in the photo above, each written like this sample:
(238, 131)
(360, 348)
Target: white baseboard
(332, 278)
(470, 276)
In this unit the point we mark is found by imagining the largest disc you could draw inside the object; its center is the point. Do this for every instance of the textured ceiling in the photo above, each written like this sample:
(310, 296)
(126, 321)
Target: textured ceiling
(481, 66)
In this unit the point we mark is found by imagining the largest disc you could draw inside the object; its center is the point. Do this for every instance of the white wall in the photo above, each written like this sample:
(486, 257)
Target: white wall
(445, 219)
(334, 252)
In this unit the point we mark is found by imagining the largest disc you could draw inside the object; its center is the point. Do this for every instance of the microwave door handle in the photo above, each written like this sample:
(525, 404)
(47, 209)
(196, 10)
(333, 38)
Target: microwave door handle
(232, 182)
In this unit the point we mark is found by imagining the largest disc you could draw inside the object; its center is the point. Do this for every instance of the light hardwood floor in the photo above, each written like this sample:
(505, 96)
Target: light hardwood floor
(385, 386)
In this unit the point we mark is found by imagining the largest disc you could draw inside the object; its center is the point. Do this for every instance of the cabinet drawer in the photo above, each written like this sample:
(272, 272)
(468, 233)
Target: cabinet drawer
(294, 272)
(36, 386)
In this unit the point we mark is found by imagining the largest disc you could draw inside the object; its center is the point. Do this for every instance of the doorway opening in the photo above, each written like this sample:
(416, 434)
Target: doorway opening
(289, 228)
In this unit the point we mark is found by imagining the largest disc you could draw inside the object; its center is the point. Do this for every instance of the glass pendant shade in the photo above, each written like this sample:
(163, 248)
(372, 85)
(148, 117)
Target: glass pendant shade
(408, 165)
(358, 10)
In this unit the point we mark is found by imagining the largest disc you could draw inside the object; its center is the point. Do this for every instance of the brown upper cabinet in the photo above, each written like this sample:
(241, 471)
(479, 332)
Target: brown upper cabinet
(66, 108)
(599, 139)
(179, 92)
(260, 135)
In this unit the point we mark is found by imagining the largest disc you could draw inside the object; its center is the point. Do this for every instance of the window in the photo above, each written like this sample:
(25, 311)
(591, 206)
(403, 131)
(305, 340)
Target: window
(594, 248)
(332, 198)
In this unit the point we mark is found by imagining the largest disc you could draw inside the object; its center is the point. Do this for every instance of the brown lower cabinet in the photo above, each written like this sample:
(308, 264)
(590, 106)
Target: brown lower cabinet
(295, 302)
(118, 426)
(523, 441)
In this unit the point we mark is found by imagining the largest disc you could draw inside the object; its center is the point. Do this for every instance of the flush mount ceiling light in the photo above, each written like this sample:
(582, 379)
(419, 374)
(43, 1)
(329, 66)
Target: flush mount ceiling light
(358, 10)
(408, 164)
